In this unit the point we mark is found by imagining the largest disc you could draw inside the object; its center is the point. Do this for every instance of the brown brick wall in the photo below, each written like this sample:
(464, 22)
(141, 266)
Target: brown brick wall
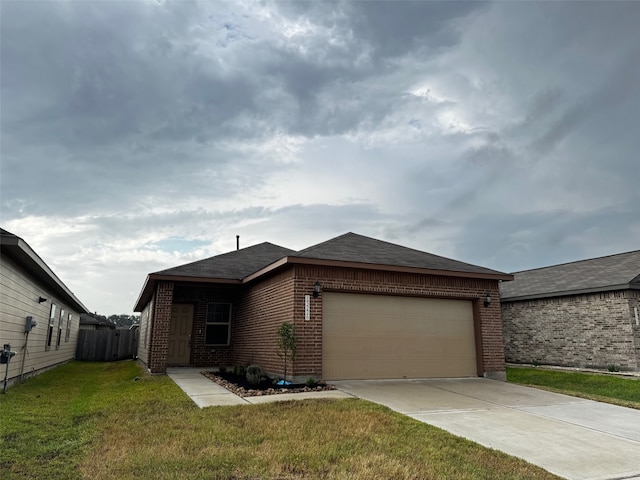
(591, 330)
(261, 309)
(159, 337)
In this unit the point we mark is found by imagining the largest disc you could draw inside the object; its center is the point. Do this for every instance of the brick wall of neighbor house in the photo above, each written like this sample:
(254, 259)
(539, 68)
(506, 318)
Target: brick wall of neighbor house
(309, 355)
(262, 308)
(634, 311)
(199, 296)
(591, 330)
(159, 335)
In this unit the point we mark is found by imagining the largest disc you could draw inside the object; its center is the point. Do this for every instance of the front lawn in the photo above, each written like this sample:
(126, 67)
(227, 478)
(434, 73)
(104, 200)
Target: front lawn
(94, 421)
(624, 391)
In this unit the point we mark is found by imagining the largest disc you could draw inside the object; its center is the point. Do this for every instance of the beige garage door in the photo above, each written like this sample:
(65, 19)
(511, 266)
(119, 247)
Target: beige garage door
(376, 336)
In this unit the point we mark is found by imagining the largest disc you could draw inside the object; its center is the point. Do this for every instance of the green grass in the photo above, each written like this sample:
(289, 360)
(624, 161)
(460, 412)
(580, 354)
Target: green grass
(624, 391)
(93, 421)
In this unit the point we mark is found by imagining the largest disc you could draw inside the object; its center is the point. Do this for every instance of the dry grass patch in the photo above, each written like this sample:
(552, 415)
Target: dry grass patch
(114, 427)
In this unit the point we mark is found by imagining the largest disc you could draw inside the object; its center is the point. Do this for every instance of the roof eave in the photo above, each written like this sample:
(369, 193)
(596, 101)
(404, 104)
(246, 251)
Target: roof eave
(269, 268)
(150, 283)
(374, 266)
(22, 253)
(147, 289)
(566, 293)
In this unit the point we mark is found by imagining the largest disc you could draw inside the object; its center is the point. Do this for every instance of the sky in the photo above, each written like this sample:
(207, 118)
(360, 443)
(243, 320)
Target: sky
(140, 135)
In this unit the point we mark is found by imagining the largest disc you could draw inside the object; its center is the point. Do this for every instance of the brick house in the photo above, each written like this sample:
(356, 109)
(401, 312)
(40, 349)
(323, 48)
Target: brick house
(362, 308)
(579, 314)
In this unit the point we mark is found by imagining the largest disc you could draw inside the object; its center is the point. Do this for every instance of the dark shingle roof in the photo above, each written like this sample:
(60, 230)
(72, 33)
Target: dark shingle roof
(240, 265)
(233, 265)
(613, 272)
(352, 247)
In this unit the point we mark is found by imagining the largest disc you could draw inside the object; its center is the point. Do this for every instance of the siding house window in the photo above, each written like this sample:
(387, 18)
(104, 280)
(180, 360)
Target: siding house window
(67, 332)
(59, 329)
(52, 321)
(218, 328)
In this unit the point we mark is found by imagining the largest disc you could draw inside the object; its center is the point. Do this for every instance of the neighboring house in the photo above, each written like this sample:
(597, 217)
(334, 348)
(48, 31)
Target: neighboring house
(89, 322)
(39, 315)
(579, 314)
(362, 308)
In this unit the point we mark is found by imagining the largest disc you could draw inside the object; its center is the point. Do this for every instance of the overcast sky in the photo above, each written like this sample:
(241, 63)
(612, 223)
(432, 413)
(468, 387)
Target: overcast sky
(140, 135)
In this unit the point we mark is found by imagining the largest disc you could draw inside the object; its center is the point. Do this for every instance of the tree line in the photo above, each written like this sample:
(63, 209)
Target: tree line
(120, 321)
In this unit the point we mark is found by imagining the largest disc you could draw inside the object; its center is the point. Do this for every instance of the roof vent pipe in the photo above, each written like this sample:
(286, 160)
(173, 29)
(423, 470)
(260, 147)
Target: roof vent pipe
(237, 242)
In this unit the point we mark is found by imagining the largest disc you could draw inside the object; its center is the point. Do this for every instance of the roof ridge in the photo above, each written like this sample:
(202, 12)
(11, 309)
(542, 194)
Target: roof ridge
(222, 255)
(576, 261)
(327, 241)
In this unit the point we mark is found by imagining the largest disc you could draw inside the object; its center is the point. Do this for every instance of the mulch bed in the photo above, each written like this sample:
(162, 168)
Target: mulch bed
(241, 387)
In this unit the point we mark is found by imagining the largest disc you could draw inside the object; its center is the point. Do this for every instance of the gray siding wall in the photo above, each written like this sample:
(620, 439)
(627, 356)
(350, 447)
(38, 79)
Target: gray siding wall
(19, 293)
(590, 330)
(145, 333)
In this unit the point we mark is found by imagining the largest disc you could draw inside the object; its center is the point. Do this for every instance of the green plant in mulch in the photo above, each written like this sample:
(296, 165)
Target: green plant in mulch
(239, 370)
(254, 374)
(287, 344)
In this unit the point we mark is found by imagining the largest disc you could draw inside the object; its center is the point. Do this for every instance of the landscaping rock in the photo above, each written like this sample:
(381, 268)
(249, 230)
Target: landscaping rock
(264, 388)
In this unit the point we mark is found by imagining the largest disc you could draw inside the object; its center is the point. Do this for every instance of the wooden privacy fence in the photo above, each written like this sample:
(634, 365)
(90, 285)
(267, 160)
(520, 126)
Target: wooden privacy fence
(107, 345)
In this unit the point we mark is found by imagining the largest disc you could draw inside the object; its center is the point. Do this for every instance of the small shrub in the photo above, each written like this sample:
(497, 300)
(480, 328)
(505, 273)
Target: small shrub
(254, 374)
(239, 370)
(310, 382)
(287, 344)
(613, 368)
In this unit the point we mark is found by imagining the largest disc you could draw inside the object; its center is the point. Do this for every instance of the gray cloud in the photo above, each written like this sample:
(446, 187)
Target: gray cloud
(498, 133)
(618, 87)
(512, 241)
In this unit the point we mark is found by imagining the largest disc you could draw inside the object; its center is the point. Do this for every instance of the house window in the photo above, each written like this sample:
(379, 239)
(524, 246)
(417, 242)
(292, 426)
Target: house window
(59, 329)
(52, 321)
(218, 328)
(67, 333)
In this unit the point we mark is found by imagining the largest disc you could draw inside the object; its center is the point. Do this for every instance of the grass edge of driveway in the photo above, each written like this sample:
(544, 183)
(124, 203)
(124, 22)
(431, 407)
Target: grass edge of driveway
(600, 387)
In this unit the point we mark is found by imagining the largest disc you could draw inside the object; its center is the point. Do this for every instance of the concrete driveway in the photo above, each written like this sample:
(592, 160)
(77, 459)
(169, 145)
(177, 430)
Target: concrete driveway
(574, 438)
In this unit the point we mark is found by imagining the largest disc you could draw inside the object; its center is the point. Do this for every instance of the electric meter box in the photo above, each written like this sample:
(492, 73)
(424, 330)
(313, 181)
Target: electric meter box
(6, 353)
(29, 324)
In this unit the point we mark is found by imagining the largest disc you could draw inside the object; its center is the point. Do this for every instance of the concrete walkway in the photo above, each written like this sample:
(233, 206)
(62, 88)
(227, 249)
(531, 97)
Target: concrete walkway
(206, 393)
(575, 438)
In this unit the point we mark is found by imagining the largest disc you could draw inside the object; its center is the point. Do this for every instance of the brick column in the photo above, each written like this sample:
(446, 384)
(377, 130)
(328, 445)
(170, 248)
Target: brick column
(492, 339)
(160, 331)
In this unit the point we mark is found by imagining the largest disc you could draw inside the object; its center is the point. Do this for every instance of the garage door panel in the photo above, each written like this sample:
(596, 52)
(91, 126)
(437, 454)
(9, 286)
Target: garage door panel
(375, 336)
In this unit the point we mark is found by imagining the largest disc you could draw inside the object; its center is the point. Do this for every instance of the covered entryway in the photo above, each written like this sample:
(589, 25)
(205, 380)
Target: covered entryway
(179, 349)
(379, 336)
